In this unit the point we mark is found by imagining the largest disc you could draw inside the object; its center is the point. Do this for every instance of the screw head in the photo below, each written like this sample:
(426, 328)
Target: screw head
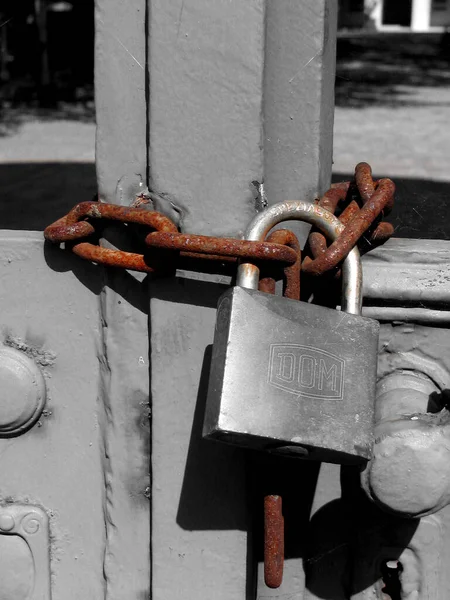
(22, 392)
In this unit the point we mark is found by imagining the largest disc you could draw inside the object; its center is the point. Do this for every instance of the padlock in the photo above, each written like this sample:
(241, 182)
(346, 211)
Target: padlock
(292, 377)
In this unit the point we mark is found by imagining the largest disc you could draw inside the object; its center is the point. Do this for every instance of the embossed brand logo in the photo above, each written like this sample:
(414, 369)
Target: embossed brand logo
(306, 371)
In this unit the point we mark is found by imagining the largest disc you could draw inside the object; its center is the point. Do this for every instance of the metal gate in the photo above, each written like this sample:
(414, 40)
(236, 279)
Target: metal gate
(108, 490)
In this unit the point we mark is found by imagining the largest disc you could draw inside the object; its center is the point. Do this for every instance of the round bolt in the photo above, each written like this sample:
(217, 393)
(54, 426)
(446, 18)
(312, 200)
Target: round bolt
(22, 392)
(6, 522)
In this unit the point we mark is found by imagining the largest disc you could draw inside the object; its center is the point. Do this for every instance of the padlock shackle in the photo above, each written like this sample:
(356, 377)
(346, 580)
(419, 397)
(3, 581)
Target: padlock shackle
(248, 274)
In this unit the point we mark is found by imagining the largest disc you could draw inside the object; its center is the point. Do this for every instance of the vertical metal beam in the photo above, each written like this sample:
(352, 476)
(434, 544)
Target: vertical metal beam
(199, 509)
(205, 109)
(120, 97)
(300, 59)
(205, 119)
(121, 156)
(217, 127)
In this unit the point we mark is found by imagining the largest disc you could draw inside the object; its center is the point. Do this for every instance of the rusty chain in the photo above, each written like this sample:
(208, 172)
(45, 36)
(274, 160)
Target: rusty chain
(362, 202)
(71, 228)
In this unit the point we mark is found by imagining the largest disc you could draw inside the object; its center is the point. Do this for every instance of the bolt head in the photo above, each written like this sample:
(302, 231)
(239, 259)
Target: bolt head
(6, 523)
(22, 392)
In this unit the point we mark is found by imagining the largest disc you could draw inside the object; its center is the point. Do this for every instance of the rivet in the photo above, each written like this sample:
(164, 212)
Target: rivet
(22, 392)
(6, 522)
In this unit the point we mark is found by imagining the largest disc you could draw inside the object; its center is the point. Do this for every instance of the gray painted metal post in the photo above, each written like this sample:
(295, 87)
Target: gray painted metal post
(299, 68)
(121, 160)
(120, 98)
(240, 92)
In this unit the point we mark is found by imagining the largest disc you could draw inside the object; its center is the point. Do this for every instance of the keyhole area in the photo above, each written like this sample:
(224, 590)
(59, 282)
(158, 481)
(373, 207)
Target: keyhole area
(391, 571)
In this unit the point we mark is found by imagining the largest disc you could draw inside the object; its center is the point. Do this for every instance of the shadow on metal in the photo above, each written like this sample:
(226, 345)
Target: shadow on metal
(35, 194)
(224, 488)
(349, 542)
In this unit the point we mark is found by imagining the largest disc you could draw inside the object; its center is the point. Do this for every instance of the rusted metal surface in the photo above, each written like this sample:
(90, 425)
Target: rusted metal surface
(334, 195)
(114, 258)
(375, 197)
(273, 541)
(208, 245)
(267, 285)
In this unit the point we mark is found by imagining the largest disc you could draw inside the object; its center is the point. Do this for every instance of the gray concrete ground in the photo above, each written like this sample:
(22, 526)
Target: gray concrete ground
(410, 140)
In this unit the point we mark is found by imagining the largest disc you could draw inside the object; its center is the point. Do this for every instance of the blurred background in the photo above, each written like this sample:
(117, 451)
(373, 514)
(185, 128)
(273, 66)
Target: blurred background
(47, 113)
(392, 107)
(47, 52)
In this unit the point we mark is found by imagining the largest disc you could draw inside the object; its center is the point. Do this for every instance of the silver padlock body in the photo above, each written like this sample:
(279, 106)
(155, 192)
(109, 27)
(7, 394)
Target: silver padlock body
(292, 377)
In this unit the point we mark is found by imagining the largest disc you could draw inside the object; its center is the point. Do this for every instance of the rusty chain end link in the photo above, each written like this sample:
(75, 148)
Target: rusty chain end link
(273, 541)
(367, 201)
